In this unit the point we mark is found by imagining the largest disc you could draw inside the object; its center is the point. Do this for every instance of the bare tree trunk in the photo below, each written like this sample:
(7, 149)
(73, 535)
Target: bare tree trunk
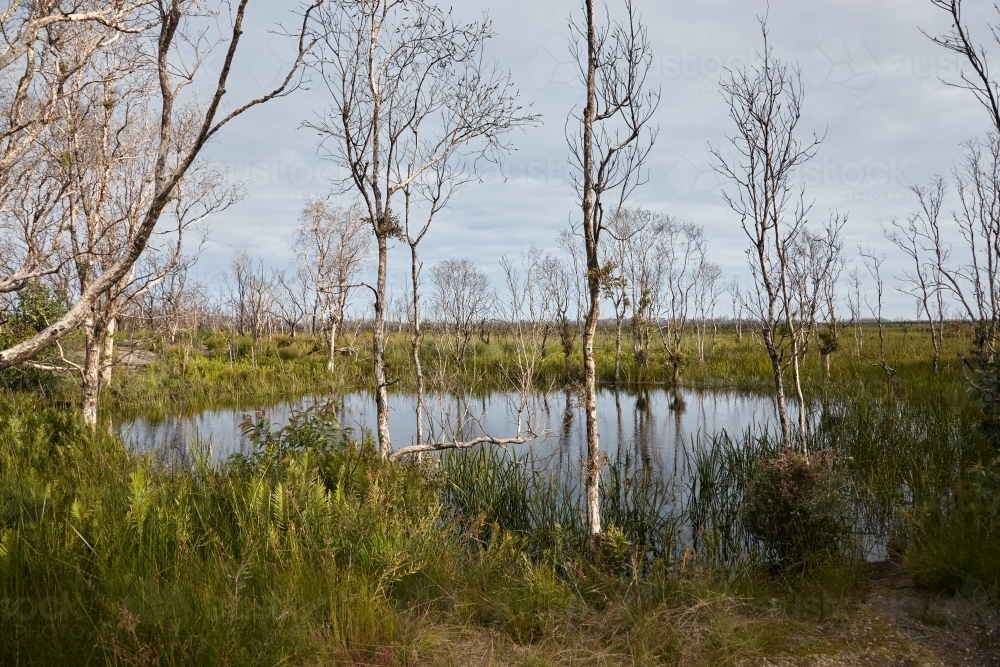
(779, 394)
(594, 456)
(591, 232)
(418, 369)
(378, 350)
(168, 169)
(91, 372)
(937, 333)
(108, 356)
(797, 376)
(331, 361)
(618, 350)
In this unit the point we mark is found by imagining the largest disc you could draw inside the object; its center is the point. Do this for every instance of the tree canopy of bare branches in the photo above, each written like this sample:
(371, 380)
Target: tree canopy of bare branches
(170, 54)
(607, 153)
(462, 298)
(332, 244)
(765, 104)
(973, 283)
(410, 89)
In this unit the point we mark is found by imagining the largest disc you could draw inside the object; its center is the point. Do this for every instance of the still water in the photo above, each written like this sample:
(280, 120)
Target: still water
(653, 425)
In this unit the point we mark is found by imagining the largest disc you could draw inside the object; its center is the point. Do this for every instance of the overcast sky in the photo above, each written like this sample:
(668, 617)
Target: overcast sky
(872, 86)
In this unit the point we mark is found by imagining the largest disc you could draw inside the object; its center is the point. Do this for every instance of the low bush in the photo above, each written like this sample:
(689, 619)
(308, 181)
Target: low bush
(797, 506)
(956, 542)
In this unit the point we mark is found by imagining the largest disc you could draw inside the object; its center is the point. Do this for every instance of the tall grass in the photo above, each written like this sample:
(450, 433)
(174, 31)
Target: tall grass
(312, 550)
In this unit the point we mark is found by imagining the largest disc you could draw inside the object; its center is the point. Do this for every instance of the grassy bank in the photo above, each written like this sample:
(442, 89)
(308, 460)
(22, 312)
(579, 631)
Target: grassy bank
(315, 551)
(226, 370)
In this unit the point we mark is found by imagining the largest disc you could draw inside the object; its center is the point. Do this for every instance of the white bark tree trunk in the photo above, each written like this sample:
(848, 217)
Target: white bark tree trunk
(378, 350)
(591, 231)
(91, 372)
(108, 356)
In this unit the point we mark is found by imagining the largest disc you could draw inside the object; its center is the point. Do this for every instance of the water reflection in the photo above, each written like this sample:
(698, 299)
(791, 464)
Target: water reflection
(652, 425)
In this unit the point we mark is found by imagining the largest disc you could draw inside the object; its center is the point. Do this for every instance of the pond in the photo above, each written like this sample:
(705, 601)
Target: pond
(654, 425)
(653, 429)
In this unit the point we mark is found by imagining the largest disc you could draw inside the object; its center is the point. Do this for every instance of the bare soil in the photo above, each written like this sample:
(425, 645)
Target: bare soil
(896, 624)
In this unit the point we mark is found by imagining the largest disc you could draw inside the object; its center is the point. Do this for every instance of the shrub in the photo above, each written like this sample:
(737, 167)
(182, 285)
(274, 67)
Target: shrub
(986, 389)
(796, 506)
(956, 546)
(288, 353)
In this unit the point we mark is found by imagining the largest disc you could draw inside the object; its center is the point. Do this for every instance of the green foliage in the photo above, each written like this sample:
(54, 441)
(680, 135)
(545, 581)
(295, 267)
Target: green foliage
(246, 563)
(956, 542)
(311, 549)
(37, 306)
(986, 389)
(797, 506)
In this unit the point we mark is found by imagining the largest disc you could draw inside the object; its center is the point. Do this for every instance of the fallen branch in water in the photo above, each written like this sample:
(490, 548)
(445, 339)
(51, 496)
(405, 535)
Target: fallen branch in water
(468, 444)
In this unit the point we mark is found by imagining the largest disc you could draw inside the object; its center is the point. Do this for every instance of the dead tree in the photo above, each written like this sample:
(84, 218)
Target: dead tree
(813, 262)
(680, 249)
(919, 238)
(527, 308)
(175, 304)
(975, 284)
(608, 152)
(34, 39)
(173, 52)
(294, 297)
(873, 263)
(431, 193)
(409, 87)
(616, 285)
(462, 297)
(250, 293)
(829, 337)
(104, 150)
(765, 103)
(332, 244)
(854, 300)
(570, 272)
(635, 241)
(707, 289)
(736, 295)
(557, 280)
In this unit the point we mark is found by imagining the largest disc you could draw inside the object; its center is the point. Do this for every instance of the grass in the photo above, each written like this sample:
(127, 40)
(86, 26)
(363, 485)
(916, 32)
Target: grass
(312, 550)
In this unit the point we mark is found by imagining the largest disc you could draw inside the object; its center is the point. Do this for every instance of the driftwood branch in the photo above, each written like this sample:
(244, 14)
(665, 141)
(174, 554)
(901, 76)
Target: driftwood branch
(455, 444)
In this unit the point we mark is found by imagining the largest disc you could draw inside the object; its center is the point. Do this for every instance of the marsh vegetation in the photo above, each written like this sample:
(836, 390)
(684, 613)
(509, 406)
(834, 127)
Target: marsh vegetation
(504, 524)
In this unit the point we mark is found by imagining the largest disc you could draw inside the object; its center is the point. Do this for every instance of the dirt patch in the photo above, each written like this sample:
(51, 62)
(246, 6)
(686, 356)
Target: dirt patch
(962, 629)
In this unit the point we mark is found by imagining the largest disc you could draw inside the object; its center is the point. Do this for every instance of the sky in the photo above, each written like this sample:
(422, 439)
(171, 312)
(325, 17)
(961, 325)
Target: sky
(873, 91)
